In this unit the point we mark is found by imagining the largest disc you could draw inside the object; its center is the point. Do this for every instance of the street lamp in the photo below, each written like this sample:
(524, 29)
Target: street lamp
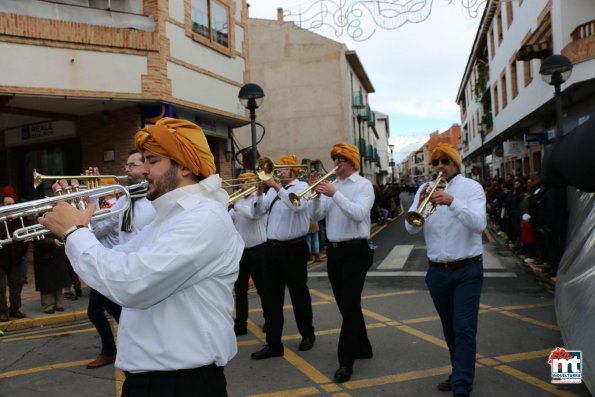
(251, 96)
(392, 164)
(555, 70)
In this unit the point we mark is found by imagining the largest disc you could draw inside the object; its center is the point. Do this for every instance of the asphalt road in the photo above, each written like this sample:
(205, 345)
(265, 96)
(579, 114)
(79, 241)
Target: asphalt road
(517, 331)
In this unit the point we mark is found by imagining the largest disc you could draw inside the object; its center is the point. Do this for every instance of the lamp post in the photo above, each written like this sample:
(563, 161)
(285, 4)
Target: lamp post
(251, 97)
(555, 70)
(392, 164)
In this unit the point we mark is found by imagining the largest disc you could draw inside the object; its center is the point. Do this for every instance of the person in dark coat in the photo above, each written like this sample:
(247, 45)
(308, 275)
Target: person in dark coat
(10, 270)
(51, 273)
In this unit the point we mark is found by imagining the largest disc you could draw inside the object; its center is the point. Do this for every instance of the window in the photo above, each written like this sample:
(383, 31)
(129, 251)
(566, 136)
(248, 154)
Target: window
(496, 109)
(211, 22)
(508, 13)
(491, 33)
(514, 86)
(527, 72)
(504, 89)
(499, 23)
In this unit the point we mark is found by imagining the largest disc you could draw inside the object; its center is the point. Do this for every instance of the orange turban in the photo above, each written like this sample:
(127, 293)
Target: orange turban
(247, 176)
(446, 150)
(349, 151)
(179, 140)
(290, 159)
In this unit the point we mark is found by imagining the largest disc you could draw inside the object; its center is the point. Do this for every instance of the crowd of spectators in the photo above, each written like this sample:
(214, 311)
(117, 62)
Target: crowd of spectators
(530, 213)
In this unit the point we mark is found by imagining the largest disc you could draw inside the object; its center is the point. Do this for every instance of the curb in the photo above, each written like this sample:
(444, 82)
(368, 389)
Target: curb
(33, 322)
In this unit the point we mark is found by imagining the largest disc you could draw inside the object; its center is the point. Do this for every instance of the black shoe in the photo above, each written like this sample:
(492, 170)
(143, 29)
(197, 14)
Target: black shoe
(461, 395)
(240, 330)
(368, 354)
(445, 385)
(307, 343)
(343, 374)
(267, 352)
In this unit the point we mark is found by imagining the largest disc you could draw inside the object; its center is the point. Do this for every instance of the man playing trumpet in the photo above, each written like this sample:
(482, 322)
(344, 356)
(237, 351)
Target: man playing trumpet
(287, 257)
(174, 279)
(252, 228)
(455, 273)
(346, 205)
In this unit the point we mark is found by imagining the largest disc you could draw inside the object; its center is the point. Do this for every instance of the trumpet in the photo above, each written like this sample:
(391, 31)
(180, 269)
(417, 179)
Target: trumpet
(418, 218)
(92, 180)
(241, 194)
(265, 169)
(21, 211)
(295, 198)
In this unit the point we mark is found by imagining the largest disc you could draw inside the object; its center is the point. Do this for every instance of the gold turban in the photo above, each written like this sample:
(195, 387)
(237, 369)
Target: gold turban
(179, 140)
(246, 177)
(446, 150)
(349, 151)
(290, 159)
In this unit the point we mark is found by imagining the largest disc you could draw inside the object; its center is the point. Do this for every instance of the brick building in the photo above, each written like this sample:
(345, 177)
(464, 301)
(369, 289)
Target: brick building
(80, 77)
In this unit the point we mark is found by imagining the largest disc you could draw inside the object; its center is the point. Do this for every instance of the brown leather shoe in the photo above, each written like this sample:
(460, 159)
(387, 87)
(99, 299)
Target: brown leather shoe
(3, 318)
(17, 314)
(101, 361)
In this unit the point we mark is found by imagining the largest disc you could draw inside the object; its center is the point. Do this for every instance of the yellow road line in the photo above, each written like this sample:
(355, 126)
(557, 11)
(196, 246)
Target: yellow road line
(548, 387)
(43, 368)
(396, 378)
(48, 335)
(509, 358)
(374, 296)
(305, 391)
(523, 307)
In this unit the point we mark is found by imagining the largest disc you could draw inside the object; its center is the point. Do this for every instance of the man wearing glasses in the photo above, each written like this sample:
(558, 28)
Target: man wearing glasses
(112, 231)
(346, 205)
(455, 273)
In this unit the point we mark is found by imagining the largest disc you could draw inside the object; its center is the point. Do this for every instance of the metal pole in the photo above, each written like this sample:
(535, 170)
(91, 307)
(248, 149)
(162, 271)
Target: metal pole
(253, 126)
(558, 100)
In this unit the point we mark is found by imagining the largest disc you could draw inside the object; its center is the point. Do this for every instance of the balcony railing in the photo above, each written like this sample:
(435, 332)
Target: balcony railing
(357, 99)
(584, 30)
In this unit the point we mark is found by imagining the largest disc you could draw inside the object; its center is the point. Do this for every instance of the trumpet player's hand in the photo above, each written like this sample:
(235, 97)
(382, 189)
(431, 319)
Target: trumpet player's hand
(272, 183)
(326, 188)
(424, 192)
(441, 197)
(63, 216)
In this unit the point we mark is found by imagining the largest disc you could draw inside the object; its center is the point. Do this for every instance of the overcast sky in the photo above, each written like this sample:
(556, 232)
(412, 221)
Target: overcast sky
(416, 69)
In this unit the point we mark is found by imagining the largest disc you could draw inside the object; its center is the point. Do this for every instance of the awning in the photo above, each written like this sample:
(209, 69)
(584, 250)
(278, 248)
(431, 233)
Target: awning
(539, 43)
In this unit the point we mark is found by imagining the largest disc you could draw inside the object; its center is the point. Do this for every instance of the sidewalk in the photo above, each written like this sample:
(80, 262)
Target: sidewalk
(31, 305)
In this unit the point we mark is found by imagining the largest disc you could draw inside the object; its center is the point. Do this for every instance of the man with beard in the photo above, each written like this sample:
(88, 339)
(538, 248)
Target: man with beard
(174, 279)
(112, 231)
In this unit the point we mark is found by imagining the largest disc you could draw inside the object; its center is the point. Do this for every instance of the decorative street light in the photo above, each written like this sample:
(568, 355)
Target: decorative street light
(392, 164)
(251, 97)
(555, 70)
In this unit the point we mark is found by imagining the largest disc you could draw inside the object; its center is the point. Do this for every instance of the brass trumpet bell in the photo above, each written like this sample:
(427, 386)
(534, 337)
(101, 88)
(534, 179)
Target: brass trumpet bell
(418, 217)
(265, 169)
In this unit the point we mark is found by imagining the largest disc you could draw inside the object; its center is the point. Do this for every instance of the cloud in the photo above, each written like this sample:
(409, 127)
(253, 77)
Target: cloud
(415, 69)
(404, 145)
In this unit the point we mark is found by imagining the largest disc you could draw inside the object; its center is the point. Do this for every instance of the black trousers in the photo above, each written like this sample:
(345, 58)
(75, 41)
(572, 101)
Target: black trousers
(347, 268)
(251, 265)
(98, 305)
(207, 381)
(287, 265)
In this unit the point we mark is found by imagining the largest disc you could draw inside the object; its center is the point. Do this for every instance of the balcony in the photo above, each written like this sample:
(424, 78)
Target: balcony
(357, 99)
(582, 46)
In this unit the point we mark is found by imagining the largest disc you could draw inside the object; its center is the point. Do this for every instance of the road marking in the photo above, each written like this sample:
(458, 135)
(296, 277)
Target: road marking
(46, 335)
(396, 378)
(515, 373)
(43, 368)
(397, 257)
(415, 274)
(491, 261)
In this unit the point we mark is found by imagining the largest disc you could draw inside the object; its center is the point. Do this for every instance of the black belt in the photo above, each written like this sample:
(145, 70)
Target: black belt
(149, 374)
(254, 247)
(356, 241)
(287, 242)
(455, 264)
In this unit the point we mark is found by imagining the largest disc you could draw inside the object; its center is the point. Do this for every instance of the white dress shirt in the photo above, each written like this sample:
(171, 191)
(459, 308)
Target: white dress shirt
(109, 230)
(454, 232)
(251, 227)
(286, 221)
(174, 281)
(347, 212)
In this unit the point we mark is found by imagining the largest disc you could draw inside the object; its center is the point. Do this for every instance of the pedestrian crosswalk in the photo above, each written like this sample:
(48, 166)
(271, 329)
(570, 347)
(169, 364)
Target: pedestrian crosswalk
(398, 263)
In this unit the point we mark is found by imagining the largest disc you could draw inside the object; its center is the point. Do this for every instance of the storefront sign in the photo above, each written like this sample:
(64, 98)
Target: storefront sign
(42, 132)
(514, 148)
